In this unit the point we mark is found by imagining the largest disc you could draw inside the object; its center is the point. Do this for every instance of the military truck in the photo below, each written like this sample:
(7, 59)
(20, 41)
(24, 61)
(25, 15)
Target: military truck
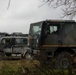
(55, 39)
(14, 47)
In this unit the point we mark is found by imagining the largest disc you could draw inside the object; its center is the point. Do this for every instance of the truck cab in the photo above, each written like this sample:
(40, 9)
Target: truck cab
(55, 39)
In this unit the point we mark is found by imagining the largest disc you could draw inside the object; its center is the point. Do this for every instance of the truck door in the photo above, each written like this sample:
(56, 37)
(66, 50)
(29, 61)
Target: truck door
(52, 34)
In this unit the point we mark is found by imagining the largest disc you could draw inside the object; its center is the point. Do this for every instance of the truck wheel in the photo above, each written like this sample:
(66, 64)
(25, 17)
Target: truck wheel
(1, 56)
(63, 60)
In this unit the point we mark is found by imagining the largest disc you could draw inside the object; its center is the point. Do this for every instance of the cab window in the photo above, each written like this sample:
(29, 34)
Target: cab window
(53, 29)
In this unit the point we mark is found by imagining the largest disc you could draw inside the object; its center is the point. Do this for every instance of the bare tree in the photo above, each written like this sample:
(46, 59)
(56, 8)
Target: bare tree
(69, 6)
(8, 5)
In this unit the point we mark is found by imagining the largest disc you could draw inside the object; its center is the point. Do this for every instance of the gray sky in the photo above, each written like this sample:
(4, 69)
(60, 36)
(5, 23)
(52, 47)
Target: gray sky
(22, 13)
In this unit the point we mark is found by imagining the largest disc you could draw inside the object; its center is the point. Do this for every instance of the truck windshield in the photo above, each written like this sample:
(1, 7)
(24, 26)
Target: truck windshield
(35, 29)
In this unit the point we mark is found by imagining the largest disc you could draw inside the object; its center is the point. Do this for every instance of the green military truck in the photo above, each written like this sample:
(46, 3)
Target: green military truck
(55, 39)
(14, 47)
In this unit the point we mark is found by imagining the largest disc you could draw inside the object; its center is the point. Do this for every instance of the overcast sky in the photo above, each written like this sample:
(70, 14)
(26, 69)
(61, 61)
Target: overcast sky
(22, 13)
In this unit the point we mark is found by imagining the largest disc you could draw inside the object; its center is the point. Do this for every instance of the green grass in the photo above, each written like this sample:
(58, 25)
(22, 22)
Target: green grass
(27, 67)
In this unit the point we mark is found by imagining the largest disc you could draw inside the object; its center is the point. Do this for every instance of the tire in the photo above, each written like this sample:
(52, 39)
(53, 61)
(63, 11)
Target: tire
(63, 60)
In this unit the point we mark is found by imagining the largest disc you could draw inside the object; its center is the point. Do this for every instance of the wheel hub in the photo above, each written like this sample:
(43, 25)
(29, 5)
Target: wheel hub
(64, 63)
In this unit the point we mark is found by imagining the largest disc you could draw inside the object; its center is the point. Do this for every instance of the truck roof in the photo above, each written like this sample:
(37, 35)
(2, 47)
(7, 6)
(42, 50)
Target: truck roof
(56, 21)
(61, 21)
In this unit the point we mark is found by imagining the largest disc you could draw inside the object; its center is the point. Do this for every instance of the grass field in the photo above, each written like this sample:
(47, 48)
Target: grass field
(17, 67)
(28, 67)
